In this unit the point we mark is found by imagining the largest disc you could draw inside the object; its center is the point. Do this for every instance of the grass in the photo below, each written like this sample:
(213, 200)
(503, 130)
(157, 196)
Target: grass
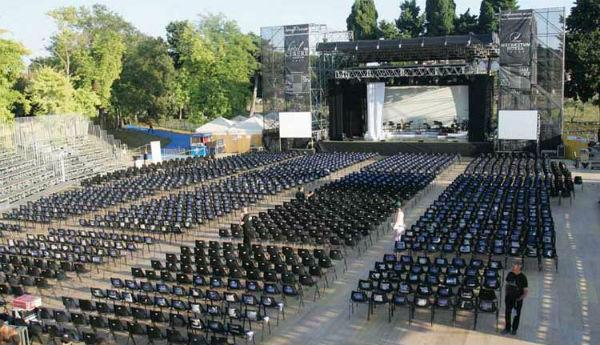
(580, 112)
(135, 139)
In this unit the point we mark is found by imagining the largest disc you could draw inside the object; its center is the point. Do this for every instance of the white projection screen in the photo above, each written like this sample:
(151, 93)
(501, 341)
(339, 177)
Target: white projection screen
(425, 104)
(295, 125)
(517, 124)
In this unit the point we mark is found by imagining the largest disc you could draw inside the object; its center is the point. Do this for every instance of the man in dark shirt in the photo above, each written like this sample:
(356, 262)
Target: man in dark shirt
(247, 229)
(300, 195)
(516, 291)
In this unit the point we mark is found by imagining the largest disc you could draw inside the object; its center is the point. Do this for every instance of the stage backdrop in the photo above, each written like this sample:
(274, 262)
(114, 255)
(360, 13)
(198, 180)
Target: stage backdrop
(426, 104)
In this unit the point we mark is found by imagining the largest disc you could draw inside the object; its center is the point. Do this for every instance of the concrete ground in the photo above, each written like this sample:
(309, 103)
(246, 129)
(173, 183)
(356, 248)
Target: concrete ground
(562, 307)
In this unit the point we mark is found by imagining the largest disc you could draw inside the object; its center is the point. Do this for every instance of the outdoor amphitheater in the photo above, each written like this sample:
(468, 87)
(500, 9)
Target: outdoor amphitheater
(419, 190)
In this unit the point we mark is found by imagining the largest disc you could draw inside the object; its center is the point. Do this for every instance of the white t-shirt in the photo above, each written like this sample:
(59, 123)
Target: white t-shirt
(399, 224)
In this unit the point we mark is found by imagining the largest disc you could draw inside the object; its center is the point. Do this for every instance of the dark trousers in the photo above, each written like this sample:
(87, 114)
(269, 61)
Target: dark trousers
(511, 303)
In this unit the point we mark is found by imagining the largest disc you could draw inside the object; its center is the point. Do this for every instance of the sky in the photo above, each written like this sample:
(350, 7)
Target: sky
(27, 22)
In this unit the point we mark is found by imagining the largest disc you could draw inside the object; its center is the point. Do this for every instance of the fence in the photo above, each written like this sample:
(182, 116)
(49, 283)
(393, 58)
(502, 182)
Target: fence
(43, 139)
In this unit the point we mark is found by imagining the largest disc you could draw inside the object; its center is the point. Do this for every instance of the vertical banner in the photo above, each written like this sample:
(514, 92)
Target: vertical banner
(375, 99)
(516, 59)
(296, 67)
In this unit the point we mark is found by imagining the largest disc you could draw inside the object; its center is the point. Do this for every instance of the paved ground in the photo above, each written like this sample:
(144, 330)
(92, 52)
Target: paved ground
(562, 308)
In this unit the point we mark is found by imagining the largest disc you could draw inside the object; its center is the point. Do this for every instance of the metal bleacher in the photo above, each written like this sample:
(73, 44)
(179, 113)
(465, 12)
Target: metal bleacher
(37, 153)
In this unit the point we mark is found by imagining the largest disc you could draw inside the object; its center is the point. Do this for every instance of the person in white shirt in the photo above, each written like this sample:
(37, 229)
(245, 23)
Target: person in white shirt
(398, 225)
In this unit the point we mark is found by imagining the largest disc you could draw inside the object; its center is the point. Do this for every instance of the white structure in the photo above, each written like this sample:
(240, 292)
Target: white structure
(375, 99)
(295, 125)
(518, 124)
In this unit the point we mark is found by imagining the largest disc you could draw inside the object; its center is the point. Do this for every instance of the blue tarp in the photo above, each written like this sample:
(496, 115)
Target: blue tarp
(178, 140)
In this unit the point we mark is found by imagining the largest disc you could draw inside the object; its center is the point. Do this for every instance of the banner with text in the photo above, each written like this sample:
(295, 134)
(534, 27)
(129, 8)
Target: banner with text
(296, 67)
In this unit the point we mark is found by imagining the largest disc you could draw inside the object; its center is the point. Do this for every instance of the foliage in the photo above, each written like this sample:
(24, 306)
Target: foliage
(488, 19)
(411, 22)
(466, 23)
(11, 66)
(439, 16)
(50, 92)
(86, 102)
(215, 64)
(388, 30)
(363, 20)
(89, 47)
(583, 52)
(145, 85)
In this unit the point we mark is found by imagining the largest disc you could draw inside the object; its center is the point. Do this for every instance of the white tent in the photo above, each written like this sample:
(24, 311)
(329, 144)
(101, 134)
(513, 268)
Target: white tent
(250, 126)
(220, 125)
(239, 118)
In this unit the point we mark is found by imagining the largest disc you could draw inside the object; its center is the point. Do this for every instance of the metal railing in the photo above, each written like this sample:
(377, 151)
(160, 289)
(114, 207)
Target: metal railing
(47, 140)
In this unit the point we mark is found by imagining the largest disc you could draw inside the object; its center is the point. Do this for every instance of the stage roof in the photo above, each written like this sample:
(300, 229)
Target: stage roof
(457, 47)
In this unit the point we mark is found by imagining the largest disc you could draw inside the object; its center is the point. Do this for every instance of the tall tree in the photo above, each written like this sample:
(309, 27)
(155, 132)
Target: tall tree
(487, 17)
(466, 23)
(363, 20)
(174, 31)
(50, 92)
(235, 65)
(488, 13)
(89, 47)
(583, 51)
(388, 30)
(145, 85)
(411, 22)
(440, 17)
(11, 67)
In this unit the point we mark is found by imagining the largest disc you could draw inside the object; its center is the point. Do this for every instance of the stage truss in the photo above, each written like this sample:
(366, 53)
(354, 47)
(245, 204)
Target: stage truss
(411, 71)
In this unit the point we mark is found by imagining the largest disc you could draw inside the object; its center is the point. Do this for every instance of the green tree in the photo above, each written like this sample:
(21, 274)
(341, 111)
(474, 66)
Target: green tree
(466, 23)
(411, 22)
(439, 16)
(235, 65)
(363, 20)
(11, 67)
(89, 47)
(388, 30)
(488, 13)
(50, 92)
(174, 32)
(144, 86)
(583, 52)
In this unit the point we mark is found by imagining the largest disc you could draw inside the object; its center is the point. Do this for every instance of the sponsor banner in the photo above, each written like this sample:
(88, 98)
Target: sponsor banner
(296, 67)
(515, 38)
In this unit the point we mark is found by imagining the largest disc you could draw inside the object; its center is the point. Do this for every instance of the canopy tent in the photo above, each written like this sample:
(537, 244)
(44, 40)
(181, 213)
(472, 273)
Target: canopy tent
(252, 126)
(220, 125)
(237, 137)
(239, 118)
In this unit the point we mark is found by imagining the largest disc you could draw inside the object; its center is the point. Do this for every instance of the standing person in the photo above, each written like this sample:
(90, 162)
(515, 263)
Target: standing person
(145, 155)
(247, 227)
(398, 225)
(150, 127)
(516, 291)
(301, 195)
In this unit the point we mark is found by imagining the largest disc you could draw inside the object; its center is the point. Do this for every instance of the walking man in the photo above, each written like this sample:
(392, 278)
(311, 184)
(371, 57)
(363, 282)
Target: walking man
(516, 291)
(398, 225)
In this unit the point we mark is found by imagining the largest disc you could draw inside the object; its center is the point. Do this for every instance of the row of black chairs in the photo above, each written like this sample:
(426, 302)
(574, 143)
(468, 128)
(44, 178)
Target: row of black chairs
(431, 285)
(93, 197)
(489, 215)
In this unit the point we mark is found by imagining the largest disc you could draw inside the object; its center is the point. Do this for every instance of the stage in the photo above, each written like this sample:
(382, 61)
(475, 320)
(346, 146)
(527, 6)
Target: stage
(465, 149)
